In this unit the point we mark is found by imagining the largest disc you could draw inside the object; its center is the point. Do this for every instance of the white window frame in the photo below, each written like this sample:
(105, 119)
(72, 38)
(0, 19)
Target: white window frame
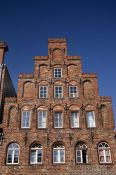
(73, 94)
(90, 117)
(58, 120)
(80, 149)
(59, 151)
(58, 94)
(36, 150)
(43, 91)
(25, 118)
(43, 119)
(57, 75)
(104, 148)
(74, 119)
(13, 147)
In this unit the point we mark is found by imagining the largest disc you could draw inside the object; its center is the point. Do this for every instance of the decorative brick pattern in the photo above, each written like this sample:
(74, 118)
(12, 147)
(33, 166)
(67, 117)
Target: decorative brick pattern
(87, 100)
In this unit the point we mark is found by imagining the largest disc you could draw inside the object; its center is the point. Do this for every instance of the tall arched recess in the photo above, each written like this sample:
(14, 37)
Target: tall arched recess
(28, 89)
(88, 88)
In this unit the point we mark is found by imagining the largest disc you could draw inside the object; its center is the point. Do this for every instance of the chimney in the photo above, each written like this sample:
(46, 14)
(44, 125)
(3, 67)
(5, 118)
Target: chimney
(3, 49)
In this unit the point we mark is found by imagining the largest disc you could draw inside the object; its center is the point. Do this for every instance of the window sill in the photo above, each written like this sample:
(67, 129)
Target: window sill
(83, 163)
(36, 164)
(55, 164)
(12, 164)
(106, 163)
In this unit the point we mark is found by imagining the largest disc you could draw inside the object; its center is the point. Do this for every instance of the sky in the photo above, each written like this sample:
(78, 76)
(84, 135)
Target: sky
(88, 25)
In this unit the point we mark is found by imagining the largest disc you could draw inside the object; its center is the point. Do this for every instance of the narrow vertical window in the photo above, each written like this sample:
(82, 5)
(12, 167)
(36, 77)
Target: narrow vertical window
(104, 153)
(43, 92)
(73, 92)
(74, 119)
(58, 120)
(25, 119)
(36, 154)
(57, 72)
(42, 117)
(81, 153)
(90, 119)
(58, 91)
(59, 153)
(13, 154)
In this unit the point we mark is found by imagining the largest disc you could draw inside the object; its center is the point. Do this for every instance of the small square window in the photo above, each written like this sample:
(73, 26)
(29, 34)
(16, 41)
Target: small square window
(57, 72)
(43, 92)
(58, 91)
(73, 92)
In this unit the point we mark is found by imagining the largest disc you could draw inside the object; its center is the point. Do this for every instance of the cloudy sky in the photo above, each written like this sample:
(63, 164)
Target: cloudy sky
(88, 25)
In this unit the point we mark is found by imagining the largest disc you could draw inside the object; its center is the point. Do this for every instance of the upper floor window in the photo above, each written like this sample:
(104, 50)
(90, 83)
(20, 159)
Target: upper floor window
(42, 117)
(36, 154)
(90, 119)
(73, 91)
(58, 153)
(57, 72)
(58, 91)
(104, 153)
(81, 153)
(13, 154)
(25, 119)
(43, 92)
(74, 119)
(58, 120)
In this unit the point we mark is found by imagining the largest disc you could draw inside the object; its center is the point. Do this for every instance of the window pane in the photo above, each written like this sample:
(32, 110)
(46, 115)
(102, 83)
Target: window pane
(62, 155)
(58, 120)
(74, 119)
(90, 119)
(39, 156)
(42, 119)
(55, 156)
(33, 156)
(10, 156)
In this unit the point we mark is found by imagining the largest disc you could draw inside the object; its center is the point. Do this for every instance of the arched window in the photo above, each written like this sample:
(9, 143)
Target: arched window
(81, 153)
(104, 153)
(13, 154)
(58, 153)
(36, 154)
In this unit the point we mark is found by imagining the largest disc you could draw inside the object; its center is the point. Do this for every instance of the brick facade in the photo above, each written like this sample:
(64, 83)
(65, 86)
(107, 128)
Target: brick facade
(60, 135)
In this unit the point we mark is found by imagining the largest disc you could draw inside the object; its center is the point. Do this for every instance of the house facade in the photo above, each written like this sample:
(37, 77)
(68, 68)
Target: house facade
(58, 124)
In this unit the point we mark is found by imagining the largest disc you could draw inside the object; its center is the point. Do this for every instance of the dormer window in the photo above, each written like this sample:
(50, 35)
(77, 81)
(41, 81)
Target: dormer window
(57, 72)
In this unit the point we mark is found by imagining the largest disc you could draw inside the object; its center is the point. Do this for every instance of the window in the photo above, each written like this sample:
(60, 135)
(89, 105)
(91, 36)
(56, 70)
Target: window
(43, 92)
(81, 153)
(73, 91)
(58, 91)
(25, 120)
(13, 154)
(58, 120)
(36, 154)
(57, 72)
(90, 119)
(42, 117)
(74, 119)
(104, 153)
(58, 153)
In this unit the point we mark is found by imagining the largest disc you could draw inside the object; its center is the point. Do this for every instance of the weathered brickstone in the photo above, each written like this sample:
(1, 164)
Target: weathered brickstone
(28, 99)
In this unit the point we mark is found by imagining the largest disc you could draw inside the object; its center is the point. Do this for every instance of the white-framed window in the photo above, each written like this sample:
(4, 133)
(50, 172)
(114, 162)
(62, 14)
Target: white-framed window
(13, 154)
(58, 91)
(36, 154)
(43, 91)
(59, 153)
(25, 119)
(73, 91)
(104, 153)
(90, 116)
(42, 119)
(58, 119)
(57, 72)
(74, 117)
(81, 153)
